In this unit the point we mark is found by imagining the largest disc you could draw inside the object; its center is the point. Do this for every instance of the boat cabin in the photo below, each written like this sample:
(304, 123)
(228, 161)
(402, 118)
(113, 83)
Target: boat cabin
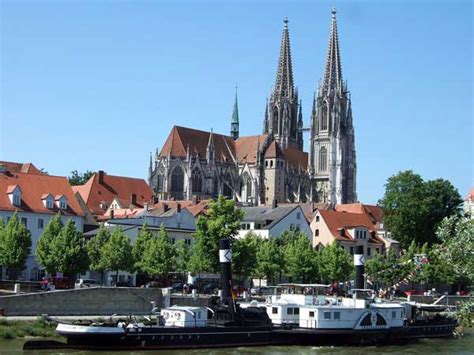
(188, 317)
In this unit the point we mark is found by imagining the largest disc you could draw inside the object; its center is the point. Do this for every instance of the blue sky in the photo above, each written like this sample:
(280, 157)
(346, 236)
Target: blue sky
(99, 84)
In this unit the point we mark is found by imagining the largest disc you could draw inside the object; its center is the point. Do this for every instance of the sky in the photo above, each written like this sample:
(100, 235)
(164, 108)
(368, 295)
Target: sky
(98, 85)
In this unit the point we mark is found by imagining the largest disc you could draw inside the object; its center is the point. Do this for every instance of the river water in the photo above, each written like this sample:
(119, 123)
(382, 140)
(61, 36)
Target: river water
(464, 345)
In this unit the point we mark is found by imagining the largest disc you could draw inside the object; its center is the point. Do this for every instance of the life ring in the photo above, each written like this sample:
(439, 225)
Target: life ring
(178, 315)
(166, 315)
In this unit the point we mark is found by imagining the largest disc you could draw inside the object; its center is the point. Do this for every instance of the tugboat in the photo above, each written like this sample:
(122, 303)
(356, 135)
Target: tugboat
(224, 324)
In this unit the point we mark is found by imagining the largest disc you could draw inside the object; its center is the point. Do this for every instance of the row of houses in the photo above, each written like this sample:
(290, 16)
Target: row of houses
(129, 203)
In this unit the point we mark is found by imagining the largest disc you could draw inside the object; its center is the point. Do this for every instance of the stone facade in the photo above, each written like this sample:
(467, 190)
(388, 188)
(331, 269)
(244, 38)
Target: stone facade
(256, 170)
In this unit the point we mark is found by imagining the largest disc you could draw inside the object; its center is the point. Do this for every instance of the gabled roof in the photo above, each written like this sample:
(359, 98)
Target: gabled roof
(470, 195)
(180, 138)
(246, 148)
(274, 151)
(296, 158)
(335, 221)
(102, 187)
(27, 168)
(12, 188)
(309, 208)
(375, 213)
(33, 188)
(268, 214)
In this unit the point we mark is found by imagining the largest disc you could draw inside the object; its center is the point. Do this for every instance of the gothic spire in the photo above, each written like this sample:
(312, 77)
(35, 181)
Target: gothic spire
(284, 78)
(234, 125)
(333, 71)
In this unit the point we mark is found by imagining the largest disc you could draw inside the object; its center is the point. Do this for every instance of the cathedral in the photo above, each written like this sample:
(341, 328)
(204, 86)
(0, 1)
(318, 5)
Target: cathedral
(272, 166)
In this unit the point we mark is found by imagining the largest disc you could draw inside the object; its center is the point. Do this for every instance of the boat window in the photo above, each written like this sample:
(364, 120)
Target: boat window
(297, 310)
(380, 320)
(337, 315)
(394, 314)
(311, 314)
(327, 315)
(289, 310)
(274, 310)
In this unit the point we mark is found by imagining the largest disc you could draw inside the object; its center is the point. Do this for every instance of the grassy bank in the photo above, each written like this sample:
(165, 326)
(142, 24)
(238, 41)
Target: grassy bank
(21, 329)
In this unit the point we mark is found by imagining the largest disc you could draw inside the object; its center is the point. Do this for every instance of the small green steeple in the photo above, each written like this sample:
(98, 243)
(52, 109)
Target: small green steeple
(234, 125)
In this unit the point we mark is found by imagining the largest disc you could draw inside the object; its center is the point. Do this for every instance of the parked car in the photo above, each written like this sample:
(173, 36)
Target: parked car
(177, 287)
(85, 283)
(60, 283)
(260, 291)
(123, 284)
(210, 288)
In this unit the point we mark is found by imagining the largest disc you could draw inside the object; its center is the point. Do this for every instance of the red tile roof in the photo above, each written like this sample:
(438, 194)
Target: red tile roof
(246, 148)
(94, 192)
(336, 221)
(33, 187)
(274, 151)
(180, 138)
(27, 168)
(375, 213)
(470, 195)
(296, 158)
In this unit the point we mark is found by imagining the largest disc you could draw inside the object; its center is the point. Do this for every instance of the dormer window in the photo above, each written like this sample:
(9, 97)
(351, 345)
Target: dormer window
(14, 194)
(48, 200)
(61, 202)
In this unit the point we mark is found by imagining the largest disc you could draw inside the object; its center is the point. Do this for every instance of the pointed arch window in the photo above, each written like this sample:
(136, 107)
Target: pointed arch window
(324, 117)
(197, 180)
(323, 158)
(177, 183)
(159, 182)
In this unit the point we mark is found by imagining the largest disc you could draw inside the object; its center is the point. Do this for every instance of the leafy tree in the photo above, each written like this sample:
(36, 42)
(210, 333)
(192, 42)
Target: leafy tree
(77, 178)
(15, 245)
(160, 255)
(457, 248)
(335, 263)
(244, 255)
(94, 250)
(289, 236)
(301, 259)
(69, 248)
(44, 253)
(222, 221)
(138, 249)
(117, 252)
(183, 254)
(270, 259)
(414, 208)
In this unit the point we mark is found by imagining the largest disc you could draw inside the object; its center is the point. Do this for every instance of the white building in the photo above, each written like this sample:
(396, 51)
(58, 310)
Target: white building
(469, 203)
(36, 198)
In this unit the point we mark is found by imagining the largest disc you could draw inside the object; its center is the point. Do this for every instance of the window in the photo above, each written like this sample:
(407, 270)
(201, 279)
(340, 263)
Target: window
(311, 314)
(16, 199)
(316, 233)
(377, 250)
(197, 180)
(40, 223)
(62, 204)
(327, 315)
(24, 221)
(369, 251)
(323, 159)
(177, 183)
(317, 218)
(266, 163)
(173, 240)
(352, 250)
(298, 215)
(337, 315)
(271, 163)
(297, 310)
(394, 314)
(274, 310)
(289, 311)
(187, 241)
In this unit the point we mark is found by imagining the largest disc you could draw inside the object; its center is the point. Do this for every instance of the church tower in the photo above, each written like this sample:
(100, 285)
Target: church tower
(281, 114)
(332, 148)
(234, 125)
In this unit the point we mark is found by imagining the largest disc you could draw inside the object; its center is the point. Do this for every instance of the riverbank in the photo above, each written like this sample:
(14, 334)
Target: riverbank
(40, 327)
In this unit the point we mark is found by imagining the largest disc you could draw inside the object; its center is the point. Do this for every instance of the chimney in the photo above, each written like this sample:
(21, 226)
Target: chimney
(145, 206)
(178, 207)
(133, 199)
(274, 203)
(101, 176)
(195, 200)
(111, 214)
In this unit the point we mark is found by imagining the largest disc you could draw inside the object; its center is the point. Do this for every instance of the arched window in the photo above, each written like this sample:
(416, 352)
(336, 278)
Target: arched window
(159, 182)
(197, 180)
(316, 233)
(324, 117)
(317, 218)
(249, 187)
(323, 166)
(177, 183)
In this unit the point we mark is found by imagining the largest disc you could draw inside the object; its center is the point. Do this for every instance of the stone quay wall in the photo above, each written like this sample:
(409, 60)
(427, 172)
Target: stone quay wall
(101, 301)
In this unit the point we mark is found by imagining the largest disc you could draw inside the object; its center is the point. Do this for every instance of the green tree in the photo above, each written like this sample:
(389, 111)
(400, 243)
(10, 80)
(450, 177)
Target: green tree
(244, 255)
(270, 259)
(69, 248)
(183, 255)
(44, 254)
(160, 255)
(94, 250)
(15, 245)
(302, 263)
(77, 178)
(117, 252)
(222, 221)
(414, 208)
(138, 250)
(457, 236)
(335, 263)
(289, 236)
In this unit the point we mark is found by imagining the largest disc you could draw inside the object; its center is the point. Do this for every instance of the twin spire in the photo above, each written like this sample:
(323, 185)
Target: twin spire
(332, 72)
(284, 80)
